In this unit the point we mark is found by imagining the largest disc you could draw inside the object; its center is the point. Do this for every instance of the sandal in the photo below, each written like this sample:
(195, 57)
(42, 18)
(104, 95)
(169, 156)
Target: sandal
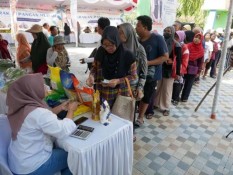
(149, 116)
(134, 138)
(166, 112)
(138, 123)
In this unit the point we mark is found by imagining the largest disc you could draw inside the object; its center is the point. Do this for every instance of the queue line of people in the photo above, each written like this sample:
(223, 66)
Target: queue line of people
(149, 62)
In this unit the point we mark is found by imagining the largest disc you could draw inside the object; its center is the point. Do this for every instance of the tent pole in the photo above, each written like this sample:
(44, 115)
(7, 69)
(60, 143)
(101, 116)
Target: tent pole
(223, 59)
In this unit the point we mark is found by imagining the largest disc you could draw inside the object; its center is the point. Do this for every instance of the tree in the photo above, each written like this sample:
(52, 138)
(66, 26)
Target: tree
(190, 11)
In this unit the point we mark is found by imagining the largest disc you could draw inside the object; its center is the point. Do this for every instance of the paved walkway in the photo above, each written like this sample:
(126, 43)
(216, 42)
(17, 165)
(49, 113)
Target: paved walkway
(185, 142)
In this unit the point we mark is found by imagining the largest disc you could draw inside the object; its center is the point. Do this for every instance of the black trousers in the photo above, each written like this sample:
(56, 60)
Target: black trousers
(177, 87)
(188, 83)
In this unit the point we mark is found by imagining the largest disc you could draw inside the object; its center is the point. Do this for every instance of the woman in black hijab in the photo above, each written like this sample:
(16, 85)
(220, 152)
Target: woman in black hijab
(112, 63)
(39, 49)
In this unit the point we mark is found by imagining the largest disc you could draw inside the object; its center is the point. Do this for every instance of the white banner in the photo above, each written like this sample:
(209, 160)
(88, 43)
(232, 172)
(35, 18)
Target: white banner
(73, 19)
(163, 14)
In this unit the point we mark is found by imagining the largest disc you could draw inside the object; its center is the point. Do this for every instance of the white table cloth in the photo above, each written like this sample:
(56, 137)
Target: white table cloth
(107, 151)
(89, 37)
(3, 106)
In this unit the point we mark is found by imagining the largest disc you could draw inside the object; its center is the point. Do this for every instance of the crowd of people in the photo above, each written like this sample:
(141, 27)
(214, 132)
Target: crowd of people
(161, 69)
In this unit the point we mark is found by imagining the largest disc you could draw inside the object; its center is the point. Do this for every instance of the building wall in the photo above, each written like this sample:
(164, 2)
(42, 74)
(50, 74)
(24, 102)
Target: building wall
(220, 19)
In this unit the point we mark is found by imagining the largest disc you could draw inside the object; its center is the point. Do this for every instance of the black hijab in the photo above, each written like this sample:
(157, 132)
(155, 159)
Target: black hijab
(39, 50)
(117, 64)
(189, 36)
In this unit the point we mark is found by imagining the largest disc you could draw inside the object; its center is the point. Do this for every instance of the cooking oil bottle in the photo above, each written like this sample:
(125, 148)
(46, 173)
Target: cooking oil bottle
(96, 106)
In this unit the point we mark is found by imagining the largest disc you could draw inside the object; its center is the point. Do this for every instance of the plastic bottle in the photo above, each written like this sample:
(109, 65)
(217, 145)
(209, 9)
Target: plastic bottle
(96, 106)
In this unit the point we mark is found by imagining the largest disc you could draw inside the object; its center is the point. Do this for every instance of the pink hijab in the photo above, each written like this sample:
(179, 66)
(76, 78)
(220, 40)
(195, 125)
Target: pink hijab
(23, 96)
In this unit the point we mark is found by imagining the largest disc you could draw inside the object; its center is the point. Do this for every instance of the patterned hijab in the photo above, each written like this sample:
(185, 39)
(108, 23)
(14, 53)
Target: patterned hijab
(23, 96)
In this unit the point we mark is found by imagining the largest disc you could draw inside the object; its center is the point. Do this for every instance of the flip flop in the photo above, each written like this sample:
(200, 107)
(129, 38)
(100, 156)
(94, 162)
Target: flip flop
(166, 112)
(138, 123)
(149, 116)
(134, 139)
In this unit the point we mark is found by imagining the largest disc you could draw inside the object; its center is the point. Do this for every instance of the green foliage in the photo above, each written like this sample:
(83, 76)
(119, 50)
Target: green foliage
(190, 11)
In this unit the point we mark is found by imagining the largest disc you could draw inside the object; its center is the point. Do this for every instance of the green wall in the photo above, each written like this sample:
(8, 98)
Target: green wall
(220, 19)
(143, 7)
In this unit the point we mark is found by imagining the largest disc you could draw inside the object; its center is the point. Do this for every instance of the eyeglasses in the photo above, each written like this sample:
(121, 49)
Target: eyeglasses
(108, 46)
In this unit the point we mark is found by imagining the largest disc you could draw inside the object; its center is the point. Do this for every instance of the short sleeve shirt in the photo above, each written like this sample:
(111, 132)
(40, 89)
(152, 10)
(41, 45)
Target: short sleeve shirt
(155, 47)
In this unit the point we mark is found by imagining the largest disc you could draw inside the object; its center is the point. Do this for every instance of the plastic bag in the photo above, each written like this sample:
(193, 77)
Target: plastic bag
(55, 79)
(85, 93)
(81, 110)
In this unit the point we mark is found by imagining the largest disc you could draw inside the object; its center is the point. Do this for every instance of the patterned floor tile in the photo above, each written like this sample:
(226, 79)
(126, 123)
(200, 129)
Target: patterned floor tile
(186, 142)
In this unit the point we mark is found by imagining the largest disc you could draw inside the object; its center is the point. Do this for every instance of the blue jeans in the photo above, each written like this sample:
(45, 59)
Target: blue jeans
(56, 163)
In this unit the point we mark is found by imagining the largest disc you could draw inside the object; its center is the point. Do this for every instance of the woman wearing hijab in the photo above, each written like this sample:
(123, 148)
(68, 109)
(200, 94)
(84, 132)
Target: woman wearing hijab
(39, 49)
(34, 128)
(129, 40)
(23, 51)
(4, 52)
(189, 36)
(178, 83)
(171, 70)
(196, 58)
(114, 63)
(57, 55)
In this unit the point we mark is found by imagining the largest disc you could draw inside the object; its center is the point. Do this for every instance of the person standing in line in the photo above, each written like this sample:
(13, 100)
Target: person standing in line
(129, 39)
(178, 83)
(67, 32)
(102, 22)
(113, 62)
(170, 71)
(177, 25)
(157, 53)
(207, 54)
(196, 58)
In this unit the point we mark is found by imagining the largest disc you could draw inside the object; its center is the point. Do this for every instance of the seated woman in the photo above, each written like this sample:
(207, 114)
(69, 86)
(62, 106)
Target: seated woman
(23, 51)
(34, 128)
(113, 62)
(57, 55)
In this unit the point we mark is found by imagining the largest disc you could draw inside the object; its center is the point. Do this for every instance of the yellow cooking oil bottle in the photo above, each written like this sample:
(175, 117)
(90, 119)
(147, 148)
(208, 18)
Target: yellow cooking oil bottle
(96, 106)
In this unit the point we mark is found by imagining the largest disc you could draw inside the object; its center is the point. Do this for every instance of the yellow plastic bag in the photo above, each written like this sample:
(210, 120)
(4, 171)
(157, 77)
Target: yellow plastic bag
(55, 79)
(81, 110)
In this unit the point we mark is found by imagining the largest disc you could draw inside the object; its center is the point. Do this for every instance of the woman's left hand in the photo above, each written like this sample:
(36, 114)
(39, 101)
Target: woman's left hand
(113, 83)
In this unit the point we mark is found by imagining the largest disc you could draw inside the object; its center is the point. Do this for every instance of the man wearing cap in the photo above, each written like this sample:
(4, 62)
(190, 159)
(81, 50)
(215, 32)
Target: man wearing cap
(39, 49)
(57, 55)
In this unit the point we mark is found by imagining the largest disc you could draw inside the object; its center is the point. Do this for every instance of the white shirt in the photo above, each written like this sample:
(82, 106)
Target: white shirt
(208, 48)
(34, 143)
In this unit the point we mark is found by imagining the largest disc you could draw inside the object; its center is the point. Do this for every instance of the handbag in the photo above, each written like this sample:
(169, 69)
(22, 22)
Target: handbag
(124, 106)
(192, 70)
